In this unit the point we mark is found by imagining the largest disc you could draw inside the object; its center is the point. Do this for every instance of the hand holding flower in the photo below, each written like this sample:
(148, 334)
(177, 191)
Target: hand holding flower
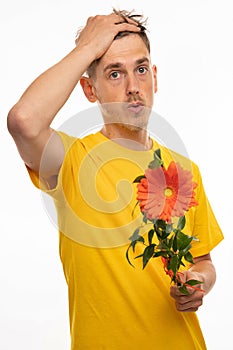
(193, 300)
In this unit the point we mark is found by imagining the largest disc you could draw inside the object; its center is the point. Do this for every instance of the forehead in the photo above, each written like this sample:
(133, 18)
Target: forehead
(125, 50)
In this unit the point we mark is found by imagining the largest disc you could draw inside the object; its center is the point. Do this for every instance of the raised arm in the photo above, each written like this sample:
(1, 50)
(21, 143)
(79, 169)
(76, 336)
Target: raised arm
(30, 118)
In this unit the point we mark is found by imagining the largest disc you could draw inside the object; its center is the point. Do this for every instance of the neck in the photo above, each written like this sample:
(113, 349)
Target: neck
(136, 138)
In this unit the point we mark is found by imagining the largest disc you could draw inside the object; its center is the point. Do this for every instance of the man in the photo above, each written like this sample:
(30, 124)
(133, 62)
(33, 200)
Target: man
(112, 305)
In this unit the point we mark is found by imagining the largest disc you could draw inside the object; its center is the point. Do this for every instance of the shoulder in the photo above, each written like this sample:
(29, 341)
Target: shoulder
(79, 146)
(168, 155)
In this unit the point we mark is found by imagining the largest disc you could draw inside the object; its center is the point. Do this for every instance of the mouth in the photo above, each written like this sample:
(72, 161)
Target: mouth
(135, 107)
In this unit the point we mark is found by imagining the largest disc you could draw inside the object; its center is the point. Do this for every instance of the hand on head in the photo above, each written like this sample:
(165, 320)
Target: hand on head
(100, 31)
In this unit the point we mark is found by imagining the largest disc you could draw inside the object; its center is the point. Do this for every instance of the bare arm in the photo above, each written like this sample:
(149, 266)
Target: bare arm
(30, 118)
(203, 270)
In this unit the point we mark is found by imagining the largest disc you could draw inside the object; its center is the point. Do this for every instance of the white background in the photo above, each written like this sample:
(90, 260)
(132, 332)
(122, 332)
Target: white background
(192, 48)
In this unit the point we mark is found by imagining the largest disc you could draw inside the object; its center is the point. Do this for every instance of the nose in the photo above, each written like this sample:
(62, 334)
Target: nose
(132, 85)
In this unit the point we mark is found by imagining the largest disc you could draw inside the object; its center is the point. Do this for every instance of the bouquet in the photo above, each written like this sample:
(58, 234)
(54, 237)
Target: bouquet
(164, 196)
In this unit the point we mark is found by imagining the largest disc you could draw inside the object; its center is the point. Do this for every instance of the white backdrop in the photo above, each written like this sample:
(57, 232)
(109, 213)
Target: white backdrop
(192, 48)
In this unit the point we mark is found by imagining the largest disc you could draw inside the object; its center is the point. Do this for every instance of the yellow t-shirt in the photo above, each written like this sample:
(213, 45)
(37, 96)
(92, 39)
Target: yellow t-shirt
(112, 305)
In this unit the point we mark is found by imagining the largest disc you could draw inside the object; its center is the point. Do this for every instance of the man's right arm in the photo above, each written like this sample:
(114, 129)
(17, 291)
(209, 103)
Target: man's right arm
(30, 119)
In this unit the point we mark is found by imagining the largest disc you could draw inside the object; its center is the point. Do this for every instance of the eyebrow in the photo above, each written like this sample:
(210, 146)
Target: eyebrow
(119, 65)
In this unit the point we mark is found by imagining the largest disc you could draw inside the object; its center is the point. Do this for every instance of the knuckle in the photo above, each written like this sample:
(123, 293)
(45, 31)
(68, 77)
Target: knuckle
(178, 307)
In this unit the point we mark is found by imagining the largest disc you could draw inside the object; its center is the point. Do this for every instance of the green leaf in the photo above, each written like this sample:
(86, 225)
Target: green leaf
(163, 246)
(174, 264)
(169, 242)
(157, 162)
(186, 249)
(160, 229)
(133, 244)
(150, 236)
(139, 256)
(193, 282)
(169, 228)
(157, 153)
(144, 218)
(135, 238)
(183, 240)
(161, 253)
(165, 234)
(181, 263)
(138, 178)
(174, 245)
(147, 255)
(182, 289)
(161, 224)
(188, 257)
(134, 208)
(181, 223)
(127, 255)
(135, 235)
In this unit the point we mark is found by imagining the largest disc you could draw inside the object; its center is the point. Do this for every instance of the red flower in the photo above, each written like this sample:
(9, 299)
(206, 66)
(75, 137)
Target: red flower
(165, 193)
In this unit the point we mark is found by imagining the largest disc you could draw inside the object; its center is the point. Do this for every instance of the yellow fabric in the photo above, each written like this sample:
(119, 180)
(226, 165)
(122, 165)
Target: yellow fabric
(114, 306)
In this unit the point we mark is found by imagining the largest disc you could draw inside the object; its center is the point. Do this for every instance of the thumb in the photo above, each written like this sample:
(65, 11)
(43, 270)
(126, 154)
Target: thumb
(188, 275)
(184, 277)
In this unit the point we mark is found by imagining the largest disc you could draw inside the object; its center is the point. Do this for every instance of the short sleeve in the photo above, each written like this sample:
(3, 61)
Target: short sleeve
(206, 227)
(67, 141)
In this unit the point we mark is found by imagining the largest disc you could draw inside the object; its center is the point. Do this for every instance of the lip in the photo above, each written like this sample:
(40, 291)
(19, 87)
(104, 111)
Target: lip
(135, 107)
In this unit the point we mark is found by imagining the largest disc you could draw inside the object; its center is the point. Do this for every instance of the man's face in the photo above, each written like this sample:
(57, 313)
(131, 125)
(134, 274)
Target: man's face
(125, 82)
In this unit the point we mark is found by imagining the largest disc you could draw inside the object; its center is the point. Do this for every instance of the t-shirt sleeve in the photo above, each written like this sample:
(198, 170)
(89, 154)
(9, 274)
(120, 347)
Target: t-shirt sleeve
(67, 141)
(206, 228)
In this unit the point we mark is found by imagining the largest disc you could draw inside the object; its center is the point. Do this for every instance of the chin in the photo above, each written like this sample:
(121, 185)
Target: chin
(135, 127)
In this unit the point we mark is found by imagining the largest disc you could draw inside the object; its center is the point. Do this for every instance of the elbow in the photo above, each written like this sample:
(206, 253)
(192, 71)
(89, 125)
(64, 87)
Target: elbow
(19, 123)
(13, 121)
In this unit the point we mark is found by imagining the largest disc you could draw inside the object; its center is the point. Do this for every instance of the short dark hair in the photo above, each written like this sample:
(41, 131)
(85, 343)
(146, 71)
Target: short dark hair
(140, 20)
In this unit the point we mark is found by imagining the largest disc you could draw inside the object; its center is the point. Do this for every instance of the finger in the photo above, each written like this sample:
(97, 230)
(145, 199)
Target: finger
(121, 18)
(174, 291)
(188, 302)
(192, 309)
(127, 27)
(189, 306)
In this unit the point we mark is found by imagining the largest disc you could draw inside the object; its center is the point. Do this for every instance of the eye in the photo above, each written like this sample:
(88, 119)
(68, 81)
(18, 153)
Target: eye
(142, 70)
(114, 75)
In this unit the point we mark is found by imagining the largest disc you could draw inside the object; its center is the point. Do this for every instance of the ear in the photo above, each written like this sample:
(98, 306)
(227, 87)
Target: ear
(88, 89)
(154, 68)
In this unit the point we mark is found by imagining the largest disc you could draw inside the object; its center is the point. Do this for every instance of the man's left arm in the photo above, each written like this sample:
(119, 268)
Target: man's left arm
(202, 270)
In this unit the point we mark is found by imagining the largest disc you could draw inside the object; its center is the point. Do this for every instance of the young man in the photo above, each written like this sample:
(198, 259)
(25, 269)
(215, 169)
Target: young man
(112, 305)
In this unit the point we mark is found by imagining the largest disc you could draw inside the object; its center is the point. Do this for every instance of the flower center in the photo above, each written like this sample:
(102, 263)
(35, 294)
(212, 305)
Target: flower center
(168, 192)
